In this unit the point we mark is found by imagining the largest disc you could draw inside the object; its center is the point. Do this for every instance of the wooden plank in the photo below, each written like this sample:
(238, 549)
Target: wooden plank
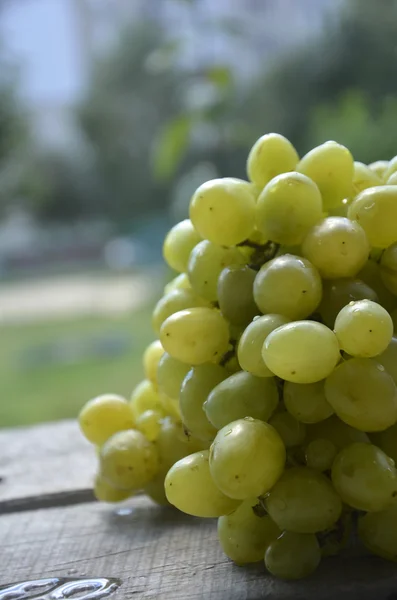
(160, 554)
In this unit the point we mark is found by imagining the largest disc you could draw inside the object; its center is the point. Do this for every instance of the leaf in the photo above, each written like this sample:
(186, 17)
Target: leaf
(170, 146)
(220, 75)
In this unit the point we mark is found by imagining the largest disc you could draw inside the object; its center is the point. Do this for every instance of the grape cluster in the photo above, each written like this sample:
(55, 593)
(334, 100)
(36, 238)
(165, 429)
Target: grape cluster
(270, 397)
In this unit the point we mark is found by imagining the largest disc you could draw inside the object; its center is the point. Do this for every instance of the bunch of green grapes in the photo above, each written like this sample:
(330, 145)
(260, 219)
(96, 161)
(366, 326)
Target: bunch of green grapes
(269, 399)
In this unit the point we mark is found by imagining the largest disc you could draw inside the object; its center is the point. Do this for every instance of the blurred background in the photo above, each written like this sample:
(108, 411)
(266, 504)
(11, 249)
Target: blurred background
(111, 113)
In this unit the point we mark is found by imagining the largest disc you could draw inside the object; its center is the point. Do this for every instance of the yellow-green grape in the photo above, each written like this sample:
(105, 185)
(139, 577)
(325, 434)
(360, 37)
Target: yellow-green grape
(235, 294)
(103, 416)
(378, 532)
(244, 536)
(302, 352)
(271, 155)
(336, 431)
(155, 489)
(293, 555)
(206, 263)
(291, 431)
(288, 285)
(364, 328)
(303, 501)
(331, 167)
(189, 487)
(287, 208)
(387, 441)
(306, 401)
(181, 282)
(249, 350)
(241, 395)
(232, 365)
(151, 359)
(320, 454)
(337, 247)
(388, 268)
(247, 457)
(333, 540)
(223, 211)
(172, 303)
(179, 243)
(364, 477)
(170, 374)
(379, 167)
(104, 492)
(338, 293)
(128, 460)
(371, 275)
(392, 179)
(197, 385)
(376, 211)
(195, 335)
(171, 407)
(364, 177)
(352, 388)
(145, 397)
(391, 168)
(148, 423)
(393, 315)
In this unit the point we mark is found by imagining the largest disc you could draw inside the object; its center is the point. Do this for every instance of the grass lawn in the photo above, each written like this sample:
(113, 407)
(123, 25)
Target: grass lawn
(48, 370)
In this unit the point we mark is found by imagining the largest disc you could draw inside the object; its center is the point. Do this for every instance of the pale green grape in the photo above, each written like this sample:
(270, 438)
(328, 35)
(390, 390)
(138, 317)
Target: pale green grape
(104, 492)
(244, 536)
(145, 397)
(376, 211)
(179, 243)
(333, 540)
(379, 167)
(291, 431)
(241, 395)
(303, 501)
(320, 454)
(235, 294)
(364, 177)
(392, 179)
(181, 282)
(364, 477)
(148, 423)
(307, 402)
(363, 394)
(173, 444)
(288, 285)
(128, 460)
(378, 532)
(174, 302)
(195, 335)
(197, 385)
(302, 352)
(155, 490)
(223, 211)
(391, 168)
(337, 247)
(335, 431)
(363, 328)
(388, 268)
(247, 457)
(206, 263)
(249, 350)
(271, 155)
(151, 359)
(287, 208)
(338, 293)
(331, 167)
(170, 374)
(293, 555)
(189, 487)
(371, 275)
(387, 441)
(103, 416)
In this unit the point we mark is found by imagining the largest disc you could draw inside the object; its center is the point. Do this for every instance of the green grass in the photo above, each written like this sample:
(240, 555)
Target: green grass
(50, 390)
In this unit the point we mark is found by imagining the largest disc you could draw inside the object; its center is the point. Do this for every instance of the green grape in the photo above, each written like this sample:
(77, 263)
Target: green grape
(302, 352)
(364, 477)
(195, 335)
(172, 303)
(387, 441)
(376, 211)
(392, 179)
(148, 423)
(249, 350)
(128, 460)
(151, 359)
(371, 275)
(287, 208)
(320, 454)
(339, 293)
(293, 555)
(271, 155)
(181, 282)
(223, 211)
(337, 247)
(241, 395)
(235, 295)
(352, 388)
(104, 492)
(206, 263)
(364, 328)
(388, 268)
(364, 177)
(331, 167)
(303, 501)
(244, 536)
(288, 285)
(155, 490)
(307, 402)
(179, 243)
(390, 169)
(379, 167)
(189, 487)
(291, 431)
(197, 385)
(173, 443)
(335, 431)
(170, 374)
(378, 532)
(145, 397)
(232, 365)
(103, 416)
